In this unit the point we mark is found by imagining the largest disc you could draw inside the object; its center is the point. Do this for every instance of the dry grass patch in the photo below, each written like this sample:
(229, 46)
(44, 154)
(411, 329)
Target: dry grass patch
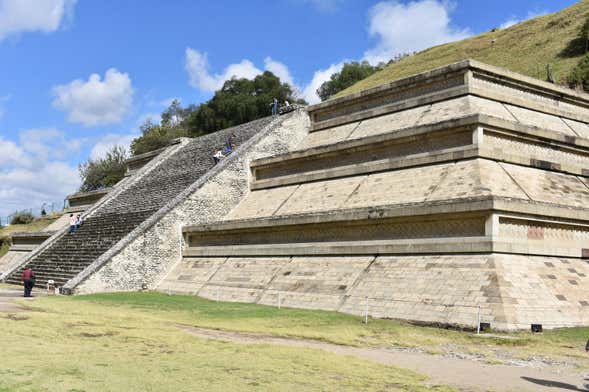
(105, 343)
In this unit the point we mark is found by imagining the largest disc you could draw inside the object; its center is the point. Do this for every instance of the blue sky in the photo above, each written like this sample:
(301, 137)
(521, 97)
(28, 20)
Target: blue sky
(77, 77)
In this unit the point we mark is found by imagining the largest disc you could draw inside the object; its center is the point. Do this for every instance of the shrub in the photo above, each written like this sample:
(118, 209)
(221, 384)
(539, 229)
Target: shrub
(104, 172)
(22, 218)
(579, 77)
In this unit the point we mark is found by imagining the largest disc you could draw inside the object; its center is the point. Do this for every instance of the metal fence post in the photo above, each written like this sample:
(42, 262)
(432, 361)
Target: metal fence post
(279, 300)
(366, 310)
(478, 319)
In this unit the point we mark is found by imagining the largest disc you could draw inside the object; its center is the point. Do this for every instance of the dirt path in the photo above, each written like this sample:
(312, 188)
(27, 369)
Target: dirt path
(464, 374)
(8, 295)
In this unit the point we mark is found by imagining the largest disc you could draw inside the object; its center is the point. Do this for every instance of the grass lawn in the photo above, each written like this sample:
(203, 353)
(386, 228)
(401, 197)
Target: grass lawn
(339, 328)
(129, 342)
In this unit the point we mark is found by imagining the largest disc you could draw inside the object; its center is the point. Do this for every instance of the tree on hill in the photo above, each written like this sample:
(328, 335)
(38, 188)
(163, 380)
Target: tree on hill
(349, 75)
(237, 102)
(155, 136)
(579, 77)
(103, 172)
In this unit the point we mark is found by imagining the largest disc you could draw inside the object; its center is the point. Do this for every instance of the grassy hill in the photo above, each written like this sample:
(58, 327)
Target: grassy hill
(524, 48)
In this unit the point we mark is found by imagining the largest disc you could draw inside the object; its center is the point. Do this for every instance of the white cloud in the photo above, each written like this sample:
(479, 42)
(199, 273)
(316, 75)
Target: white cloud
(48, 143)
(197, 66)
(10, 153)
(21, 16)
(319, 77)
(279, 69)
(33, 171)
(199, 76)
(403, 28)
(109, 141)
(96, 102)
(514, 20)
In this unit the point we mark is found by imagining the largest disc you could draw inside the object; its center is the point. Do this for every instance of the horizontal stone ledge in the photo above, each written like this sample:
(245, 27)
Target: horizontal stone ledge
(457, 124)
(540, 248)
(32, 234)
(96, 194)
(420, 246)
(452, 86)
(452, 80)
(462, 245)
(22, 247)
(453, 206)
(387, 164)
(449, 141)
(464, 205)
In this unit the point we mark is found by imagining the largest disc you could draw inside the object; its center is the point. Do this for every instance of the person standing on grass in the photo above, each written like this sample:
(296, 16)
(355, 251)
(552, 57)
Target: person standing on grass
(28, 280)
(73, 222)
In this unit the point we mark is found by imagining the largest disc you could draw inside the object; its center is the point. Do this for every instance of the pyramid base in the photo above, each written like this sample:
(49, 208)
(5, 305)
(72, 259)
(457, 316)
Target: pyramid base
(508, 291)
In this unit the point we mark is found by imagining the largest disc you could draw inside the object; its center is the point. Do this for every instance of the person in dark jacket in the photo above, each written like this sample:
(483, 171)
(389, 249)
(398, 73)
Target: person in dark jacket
(28, 279)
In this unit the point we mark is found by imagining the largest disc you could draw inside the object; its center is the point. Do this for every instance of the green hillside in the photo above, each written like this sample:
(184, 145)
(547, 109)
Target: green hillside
(524, 48)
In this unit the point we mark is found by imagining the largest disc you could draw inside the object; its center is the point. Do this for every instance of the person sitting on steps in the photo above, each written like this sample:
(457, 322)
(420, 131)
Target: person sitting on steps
(218, 156)
(79, 221)
(73, 222)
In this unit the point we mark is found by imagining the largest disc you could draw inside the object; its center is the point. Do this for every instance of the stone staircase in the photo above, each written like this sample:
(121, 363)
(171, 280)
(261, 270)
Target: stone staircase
(120, 215)
(74, 252)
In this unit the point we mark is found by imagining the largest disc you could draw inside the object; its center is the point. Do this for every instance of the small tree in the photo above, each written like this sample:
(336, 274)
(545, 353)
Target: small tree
(103, 172)
(155, 136)
(350, 74)
(579, 76)
(22, 218)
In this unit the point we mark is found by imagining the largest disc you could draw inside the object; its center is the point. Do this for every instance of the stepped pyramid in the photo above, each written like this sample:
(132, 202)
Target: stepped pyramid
(425, 199)
(131, 235)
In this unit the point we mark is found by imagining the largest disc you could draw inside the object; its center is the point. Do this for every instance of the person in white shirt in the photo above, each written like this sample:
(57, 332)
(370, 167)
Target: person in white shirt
(218, 156)
(73, 222)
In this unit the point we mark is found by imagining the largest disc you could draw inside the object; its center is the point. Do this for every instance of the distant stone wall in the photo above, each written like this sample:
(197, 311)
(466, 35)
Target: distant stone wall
(144, 261)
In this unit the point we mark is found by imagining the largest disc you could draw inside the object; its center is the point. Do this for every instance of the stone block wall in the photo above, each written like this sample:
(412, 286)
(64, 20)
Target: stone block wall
(513, 291)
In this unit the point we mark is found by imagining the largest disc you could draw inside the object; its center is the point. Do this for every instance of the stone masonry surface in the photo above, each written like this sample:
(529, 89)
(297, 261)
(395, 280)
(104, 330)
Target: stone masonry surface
(444, 289)
(145, 260)
(522, 180)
